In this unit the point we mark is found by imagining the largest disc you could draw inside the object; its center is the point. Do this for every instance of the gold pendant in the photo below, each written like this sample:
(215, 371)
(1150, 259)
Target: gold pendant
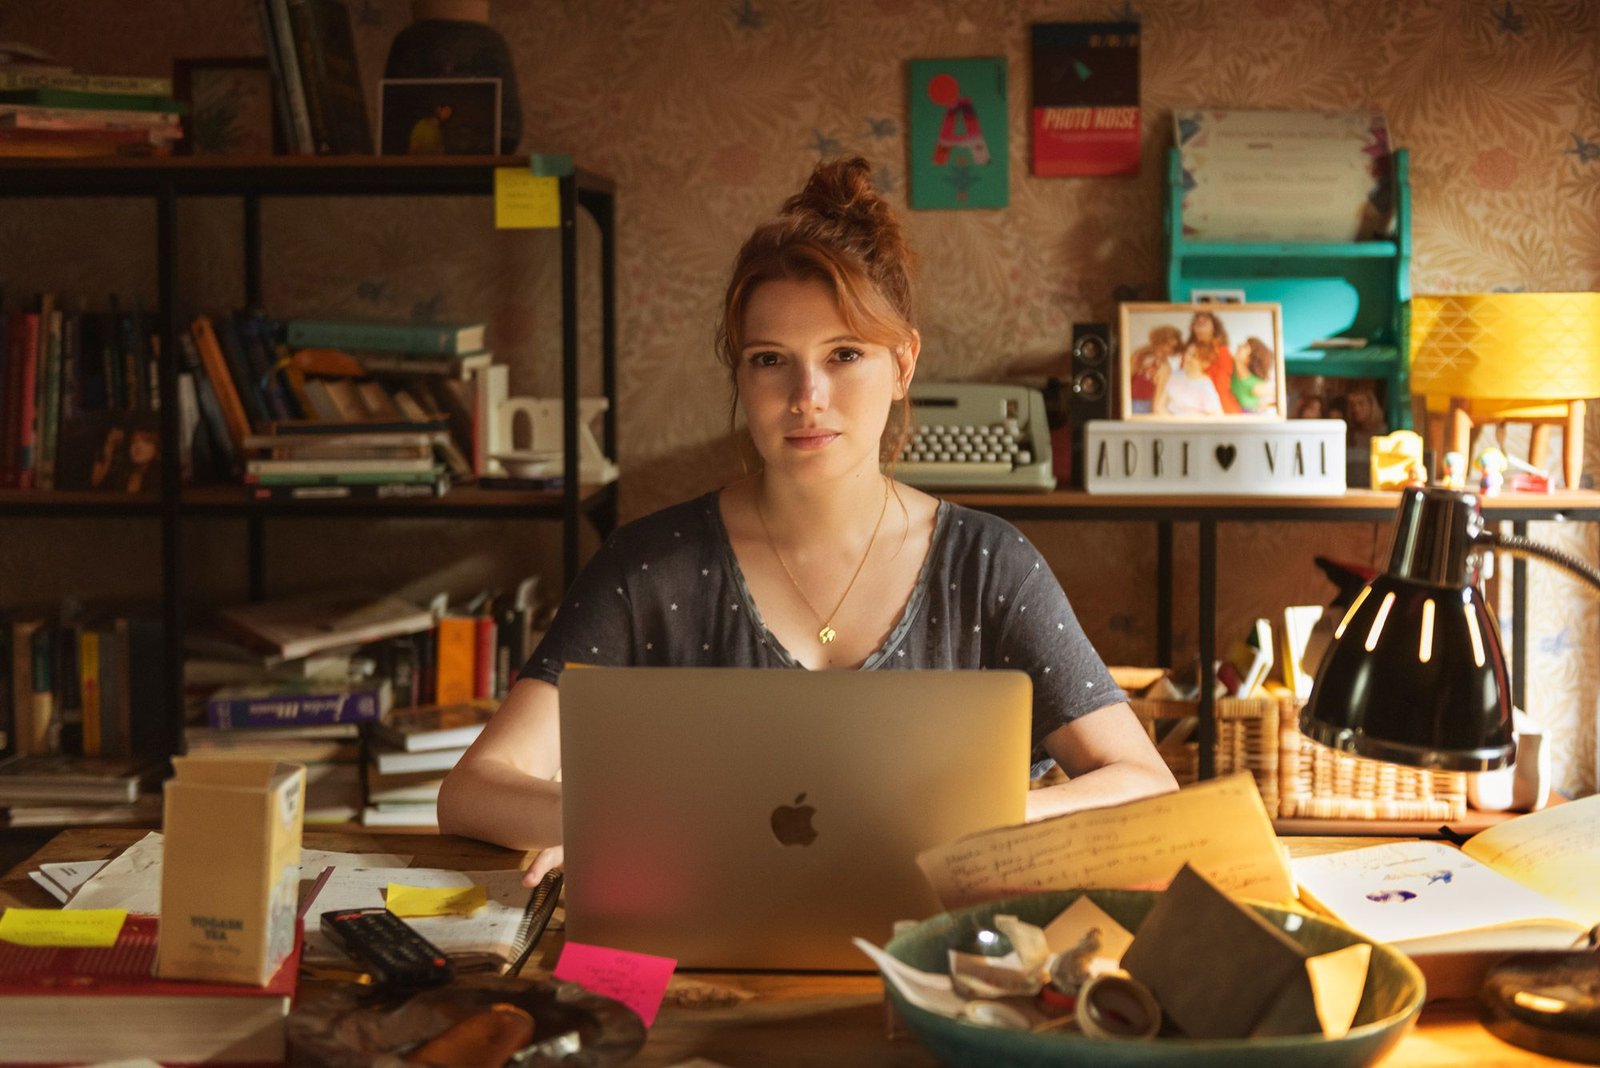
(826, 634)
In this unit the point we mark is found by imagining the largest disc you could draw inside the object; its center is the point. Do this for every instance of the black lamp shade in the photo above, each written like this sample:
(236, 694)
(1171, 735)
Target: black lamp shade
(1416, 673)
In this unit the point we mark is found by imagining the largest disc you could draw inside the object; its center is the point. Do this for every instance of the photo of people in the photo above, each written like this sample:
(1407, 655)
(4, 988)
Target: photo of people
(1358, 401)
(1202, 361)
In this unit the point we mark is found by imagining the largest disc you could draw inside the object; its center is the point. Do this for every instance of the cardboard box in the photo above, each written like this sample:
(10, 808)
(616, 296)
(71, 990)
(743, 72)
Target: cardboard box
(230, 874)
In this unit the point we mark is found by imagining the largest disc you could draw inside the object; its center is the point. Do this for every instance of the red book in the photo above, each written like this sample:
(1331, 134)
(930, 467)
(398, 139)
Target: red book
(27, 410)
(70, 1005)
(483, 667)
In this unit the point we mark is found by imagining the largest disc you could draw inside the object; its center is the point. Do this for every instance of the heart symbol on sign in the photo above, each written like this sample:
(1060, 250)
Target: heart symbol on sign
(1225, 455)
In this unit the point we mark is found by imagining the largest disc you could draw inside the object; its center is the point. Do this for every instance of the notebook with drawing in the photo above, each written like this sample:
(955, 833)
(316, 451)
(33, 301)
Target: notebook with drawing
(750, 818)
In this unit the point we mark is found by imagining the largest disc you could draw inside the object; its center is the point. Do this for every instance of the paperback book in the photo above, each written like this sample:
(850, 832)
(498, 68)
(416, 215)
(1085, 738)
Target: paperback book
(450, 726)
(297, 704)
(299, 626)
(63, 778)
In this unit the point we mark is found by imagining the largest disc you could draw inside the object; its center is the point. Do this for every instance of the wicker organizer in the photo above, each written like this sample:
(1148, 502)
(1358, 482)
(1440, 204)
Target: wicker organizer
(1296, 776)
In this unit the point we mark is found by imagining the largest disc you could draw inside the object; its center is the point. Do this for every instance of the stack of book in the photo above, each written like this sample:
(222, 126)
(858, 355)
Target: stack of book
(57, 789)
(50, 113)
(411, 751)
(257, 382)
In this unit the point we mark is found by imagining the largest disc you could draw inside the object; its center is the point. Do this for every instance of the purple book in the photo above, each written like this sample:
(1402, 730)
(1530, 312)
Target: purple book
(297, 704)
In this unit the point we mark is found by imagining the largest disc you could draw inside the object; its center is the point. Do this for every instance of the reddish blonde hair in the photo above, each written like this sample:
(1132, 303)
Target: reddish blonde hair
(838, 231)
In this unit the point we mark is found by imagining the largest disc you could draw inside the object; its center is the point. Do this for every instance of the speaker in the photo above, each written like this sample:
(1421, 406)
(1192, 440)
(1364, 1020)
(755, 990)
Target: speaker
(1091, 387)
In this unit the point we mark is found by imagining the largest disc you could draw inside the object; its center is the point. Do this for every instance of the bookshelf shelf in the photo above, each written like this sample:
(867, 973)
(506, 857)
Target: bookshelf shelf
(168, 181)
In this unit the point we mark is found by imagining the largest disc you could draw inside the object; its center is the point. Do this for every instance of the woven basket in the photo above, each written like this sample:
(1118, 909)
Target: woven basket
(1247, 739)
(1323, 783)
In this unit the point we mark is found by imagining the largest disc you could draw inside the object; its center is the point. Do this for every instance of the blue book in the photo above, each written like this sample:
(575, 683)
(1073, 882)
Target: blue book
(443, 339)
(296, 704)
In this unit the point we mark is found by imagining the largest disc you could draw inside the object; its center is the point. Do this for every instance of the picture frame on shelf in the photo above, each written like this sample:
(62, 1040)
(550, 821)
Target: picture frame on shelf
(230, 106)
(439, 116)
(1201, 361)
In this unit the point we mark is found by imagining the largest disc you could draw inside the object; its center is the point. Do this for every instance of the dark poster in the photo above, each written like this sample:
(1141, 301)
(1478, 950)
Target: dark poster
(1085, 99)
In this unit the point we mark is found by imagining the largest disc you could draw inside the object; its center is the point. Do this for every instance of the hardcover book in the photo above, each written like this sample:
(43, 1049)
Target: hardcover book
(48, 992)
(63, 777)
(296, 703)
(299, 626)
(449, 726)
(443, 339)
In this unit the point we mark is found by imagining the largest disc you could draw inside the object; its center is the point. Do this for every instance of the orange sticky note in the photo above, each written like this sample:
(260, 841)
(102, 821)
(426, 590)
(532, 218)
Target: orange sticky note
(638, 980)
(62, 927)
(525, 201)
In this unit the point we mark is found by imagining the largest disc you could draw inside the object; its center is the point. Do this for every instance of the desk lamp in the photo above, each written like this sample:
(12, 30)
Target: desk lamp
(1416, 675)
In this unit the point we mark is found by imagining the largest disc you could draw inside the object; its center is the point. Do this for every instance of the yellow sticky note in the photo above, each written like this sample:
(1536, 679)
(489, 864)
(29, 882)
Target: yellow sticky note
(434, 901)
(525, 201)
(62, 927)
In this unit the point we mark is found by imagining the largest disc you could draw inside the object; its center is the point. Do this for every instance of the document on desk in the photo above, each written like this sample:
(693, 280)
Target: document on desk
(497, 928)
(1218, 827)
(132, 880)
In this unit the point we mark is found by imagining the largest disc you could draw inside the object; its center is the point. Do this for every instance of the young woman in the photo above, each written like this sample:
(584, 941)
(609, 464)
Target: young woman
(817, 560)
(1209, 339)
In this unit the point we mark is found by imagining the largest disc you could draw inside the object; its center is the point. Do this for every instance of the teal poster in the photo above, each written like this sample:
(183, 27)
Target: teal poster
(958, 133)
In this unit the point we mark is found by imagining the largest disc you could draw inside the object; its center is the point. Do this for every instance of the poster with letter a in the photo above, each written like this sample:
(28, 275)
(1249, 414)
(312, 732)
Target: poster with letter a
(958, 133)
(1085, 99)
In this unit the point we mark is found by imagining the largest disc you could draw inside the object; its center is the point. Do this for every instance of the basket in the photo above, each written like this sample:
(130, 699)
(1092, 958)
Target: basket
(1296, 776)
(1247, 739)
(1323, 783)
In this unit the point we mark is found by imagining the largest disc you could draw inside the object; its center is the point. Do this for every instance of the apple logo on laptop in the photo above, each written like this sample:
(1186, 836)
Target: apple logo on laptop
(791, 824)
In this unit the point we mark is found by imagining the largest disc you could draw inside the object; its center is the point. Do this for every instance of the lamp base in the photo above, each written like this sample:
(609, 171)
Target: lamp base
(1546, 1002)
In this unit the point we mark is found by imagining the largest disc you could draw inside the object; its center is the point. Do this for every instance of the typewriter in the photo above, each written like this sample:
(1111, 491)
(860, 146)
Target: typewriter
(977, 436)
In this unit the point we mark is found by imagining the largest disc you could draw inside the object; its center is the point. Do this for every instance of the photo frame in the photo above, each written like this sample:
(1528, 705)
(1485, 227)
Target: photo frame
(231, 107)
(1201, 360)
(439, 116)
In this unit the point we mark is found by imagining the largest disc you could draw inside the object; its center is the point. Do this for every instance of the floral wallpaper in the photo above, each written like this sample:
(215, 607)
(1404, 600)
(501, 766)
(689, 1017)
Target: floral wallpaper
(707, 113)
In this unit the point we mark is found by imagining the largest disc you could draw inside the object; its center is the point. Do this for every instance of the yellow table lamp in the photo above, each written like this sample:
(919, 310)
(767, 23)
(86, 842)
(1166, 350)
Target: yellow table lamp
(1479, 358)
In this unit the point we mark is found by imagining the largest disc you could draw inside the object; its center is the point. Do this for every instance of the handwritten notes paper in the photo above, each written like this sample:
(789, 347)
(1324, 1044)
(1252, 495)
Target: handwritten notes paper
(58, 927)
(1218, 827)
(638, 980)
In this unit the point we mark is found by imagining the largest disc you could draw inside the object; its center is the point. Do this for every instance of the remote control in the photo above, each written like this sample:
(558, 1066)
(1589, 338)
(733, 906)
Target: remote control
(395, 954)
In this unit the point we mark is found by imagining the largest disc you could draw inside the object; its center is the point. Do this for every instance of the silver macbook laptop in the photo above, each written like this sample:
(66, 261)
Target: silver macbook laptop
(748, 818)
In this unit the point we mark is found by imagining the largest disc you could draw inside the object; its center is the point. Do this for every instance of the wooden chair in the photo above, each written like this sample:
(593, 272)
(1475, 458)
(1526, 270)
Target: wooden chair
(1450, 425)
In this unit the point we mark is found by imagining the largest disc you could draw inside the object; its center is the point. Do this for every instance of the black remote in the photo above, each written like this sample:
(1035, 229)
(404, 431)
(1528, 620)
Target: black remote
(395, 954)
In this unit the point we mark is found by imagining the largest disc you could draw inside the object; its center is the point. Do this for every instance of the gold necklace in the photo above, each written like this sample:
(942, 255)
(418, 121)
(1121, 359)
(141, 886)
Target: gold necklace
(827, 634)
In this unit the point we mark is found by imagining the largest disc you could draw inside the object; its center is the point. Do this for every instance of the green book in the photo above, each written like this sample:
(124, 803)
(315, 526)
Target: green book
(73, 98)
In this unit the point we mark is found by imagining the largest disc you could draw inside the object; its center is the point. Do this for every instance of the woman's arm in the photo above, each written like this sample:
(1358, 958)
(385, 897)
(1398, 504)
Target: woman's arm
(1109, 759)
(501, 790)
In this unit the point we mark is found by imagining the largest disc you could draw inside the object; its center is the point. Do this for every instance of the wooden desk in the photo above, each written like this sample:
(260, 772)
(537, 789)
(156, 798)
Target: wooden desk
(824, 1020)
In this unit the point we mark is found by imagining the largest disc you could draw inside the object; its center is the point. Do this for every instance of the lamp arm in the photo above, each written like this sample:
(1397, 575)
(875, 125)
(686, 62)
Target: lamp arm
(1516, 545)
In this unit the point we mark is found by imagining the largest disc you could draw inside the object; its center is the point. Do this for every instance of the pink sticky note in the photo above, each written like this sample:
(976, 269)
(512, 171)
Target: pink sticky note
(638, 980)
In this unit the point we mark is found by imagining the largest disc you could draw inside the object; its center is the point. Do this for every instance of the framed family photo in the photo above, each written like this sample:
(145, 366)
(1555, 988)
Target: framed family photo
(1202, 360)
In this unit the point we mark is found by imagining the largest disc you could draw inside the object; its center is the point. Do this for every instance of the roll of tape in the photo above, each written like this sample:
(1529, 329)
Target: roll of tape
(1115, 1005)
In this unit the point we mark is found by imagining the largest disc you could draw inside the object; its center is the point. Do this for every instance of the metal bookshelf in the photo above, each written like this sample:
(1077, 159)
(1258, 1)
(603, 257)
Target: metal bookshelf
(169, 180)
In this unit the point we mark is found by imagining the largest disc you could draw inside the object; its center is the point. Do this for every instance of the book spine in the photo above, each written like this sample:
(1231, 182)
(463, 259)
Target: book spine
(342, 465)
(355, 478)
(89, 690)
(379, 491)
(50, 397)
(37, 117)
(455, 659)
(294, 78)
(483, 677)
(73, 98)
(354, 706)
(419, 338)
(131, 85)
(312, 79)
(210, 409)
(245, 379)
(27, 401)
(344, 99)
(216, 368)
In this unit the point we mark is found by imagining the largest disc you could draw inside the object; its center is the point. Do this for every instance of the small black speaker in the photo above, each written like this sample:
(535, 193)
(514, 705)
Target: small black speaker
(1091, 387)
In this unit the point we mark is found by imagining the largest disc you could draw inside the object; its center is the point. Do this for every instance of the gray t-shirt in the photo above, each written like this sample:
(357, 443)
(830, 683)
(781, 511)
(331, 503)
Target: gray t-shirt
(666, 590)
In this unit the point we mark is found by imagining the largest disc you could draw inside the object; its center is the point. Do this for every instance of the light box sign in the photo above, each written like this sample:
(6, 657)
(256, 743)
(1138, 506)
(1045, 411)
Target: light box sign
(1281, 457)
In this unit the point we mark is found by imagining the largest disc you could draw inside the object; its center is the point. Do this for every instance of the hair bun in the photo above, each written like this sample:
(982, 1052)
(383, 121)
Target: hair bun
(840, 206)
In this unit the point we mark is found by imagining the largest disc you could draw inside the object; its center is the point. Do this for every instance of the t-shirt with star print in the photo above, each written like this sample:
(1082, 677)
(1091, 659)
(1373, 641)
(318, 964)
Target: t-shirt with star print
(666, 590)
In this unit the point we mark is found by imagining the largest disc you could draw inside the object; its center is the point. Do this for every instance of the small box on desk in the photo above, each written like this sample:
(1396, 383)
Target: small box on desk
(1279, 457)
(230, 870)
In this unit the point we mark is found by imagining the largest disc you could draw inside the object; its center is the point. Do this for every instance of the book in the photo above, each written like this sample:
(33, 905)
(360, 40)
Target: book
(447, 726)
(297, 703)
(394, 761)
(46, 993)
(458, 366)
(423, 814)
(299, 626)
(132, 85)
(67, 778)
(446, 339)
(300, 491)
(221, 380)
(78, 98)
(331, 77)
(285, 62)
(403, 788)
(145, 810)
(1529, 883)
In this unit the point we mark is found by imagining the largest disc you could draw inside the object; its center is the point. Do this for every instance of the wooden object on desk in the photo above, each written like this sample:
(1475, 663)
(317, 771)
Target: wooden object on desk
(816, 1019)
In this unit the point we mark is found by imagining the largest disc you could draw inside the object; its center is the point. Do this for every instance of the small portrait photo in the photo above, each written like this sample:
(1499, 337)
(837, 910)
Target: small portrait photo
(231, 107)
(1201, 361)
(1216, 296)
(1358, 401)
(110, 452)
(438, 116)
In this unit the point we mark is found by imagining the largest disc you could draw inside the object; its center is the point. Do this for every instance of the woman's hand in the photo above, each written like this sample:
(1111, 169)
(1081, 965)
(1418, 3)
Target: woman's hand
(546, 861)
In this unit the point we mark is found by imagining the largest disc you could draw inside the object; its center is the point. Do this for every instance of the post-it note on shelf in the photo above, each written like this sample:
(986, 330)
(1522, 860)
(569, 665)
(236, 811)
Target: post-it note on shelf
(434, 900)
(638, 980)
(525, 201)
(62, 927)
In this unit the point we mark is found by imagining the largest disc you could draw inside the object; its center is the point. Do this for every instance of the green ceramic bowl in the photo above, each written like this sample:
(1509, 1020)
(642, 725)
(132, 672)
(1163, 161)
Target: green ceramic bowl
(1389, 1005)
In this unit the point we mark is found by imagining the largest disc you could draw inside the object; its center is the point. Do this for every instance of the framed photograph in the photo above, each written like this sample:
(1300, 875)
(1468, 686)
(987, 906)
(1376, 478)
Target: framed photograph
(1202, 361)
(439, 116)
(232, 110)
(1216, 296)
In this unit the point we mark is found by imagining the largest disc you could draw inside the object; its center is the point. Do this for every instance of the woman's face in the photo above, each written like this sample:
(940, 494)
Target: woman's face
(816, 396)
(1203, 328)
